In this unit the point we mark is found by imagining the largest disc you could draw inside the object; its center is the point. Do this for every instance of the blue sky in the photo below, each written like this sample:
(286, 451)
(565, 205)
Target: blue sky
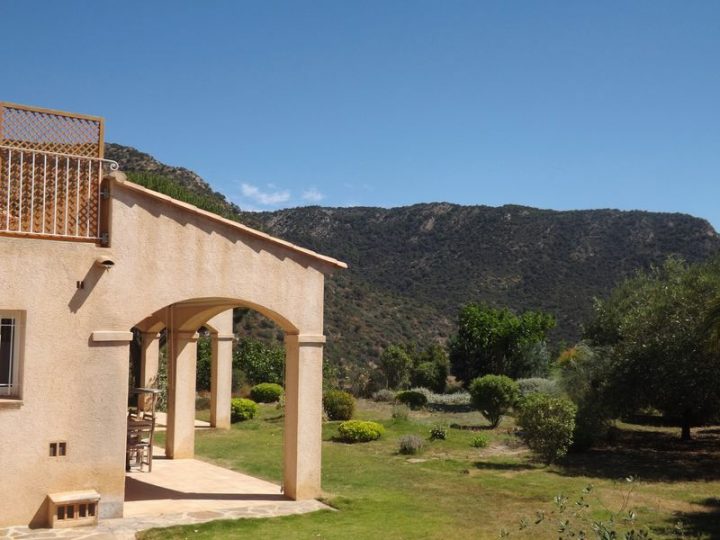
(552, 104)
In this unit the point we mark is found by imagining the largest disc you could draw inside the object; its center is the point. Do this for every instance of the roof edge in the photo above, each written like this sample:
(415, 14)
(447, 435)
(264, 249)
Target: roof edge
(121, 180)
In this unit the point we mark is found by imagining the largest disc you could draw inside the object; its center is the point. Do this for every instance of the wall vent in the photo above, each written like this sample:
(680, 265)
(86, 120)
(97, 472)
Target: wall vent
(73, 509)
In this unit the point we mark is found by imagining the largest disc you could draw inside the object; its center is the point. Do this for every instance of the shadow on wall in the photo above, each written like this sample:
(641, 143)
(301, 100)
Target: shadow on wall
(91, 279)
(39, 520)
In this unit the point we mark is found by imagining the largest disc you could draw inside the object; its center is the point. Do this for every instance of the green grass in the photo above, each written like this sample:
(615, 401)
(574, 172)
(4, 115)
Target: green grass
(462, 491)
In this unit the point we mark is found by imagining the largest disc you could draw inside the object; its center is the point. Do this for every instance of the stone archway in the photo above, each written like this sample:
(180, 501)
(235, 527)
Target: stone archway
(303, 383)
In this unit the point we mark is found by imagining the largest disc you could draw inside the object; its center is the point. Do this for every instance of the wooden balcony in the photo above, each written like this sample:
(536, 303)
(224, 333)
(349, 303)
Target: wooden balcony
(51, 173)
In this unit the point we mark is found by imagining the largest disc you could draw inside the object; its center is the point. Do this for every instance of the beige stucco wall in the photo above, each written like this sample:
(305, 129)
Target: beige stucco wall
(75, 390)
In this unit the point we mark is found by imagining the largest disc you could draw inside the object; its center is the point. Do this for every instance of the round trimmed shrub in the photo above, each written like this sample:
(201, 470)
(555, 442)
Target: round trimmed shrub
(266, 392)
(493, 396)
(547, 425)
(354, 431)
(242, 409)
(412, 398)
(338, 405)
(411, 444)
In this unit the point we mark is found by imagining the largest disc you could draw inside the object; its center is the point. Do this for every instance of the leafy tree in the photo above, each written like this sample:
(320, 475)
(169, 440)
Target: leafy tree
(493, 395)
(260, 362)
(204, 362)
(584, 372)
(431, 368)
(396, 365)
(656, 324)
(496, 341)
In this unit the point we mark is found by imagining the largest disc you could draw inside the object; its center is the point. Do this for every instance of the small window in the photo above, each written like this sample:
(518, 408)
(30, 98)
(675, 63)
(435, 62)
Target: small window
(10, 339)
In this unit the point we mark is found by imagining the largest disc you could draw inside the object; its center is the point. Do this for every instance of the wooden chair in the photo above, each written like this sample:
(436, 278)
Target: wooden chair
(141, 429)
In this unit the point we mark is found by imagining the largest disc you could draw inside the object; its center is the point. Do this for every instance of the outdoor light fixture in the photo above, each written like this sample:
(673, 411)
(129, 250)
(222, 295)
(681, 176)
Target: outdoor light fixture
(105, 262)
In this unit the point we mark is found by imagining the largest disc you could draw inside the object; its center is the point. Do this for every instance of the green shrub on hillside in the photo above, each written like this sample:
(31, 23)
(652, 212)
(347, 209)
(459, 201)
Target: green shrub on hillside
(412, 398)
(242, 409)
(354, 431)
(547, 425)
(338, 405)
(493, 396)
(266, 392)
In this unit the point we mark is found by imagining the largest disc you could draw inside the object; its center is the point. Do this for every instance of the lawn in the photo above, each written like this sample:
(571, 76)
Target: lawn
(454, 490)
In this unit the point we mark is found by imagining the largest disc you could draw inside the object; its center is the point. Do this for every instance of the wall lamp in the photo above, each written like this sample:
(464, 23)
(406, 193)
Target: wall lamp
(105, 262)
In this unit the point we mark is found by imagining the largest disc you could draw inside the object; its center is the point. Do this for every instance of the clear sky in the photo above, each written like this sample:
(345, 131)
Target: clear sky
(547, 103)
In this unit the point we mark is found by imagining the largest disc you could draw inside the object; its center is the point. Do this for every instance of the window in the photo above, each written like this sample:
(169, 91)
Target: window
(10, 329)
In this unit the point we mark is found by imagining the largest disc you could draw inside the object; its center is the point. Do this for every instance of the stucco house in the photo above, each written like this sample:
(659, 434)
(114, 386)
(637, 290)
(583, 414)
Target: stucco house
(85, 258)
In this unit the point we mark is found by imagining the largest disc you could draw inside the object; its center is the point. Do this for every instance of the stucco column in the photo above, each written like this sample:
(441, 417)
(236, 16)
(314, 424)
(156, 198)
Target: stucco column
(149, 362)
(221, 336)
(303, 415)
(182, 362)
(221, 380)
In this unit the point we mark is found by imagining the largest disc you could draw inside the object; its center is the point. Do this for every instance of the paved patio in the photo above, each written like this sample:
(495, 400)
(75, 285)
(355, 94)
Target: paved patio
(182, 492)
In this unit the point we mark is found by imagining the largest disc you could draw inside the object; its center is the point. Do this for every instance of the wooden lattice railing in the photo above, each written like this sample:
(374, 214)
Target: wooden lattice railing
(51, 169)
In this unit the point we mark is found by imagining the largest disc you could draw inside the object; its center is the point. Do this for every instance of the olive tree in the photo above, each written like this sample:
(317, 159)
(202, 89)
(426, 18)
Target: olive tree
(656, 326)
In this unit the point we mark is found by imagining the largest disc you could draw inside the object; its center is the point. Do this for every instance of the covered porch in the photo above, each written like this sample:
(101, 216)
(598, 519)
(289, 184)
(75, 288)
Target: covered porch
(190, 490)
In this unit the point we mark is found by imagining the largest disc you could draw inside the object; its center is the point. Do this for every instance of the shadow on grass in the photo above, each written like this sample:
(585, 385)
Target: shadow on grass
(439, 407)
(651, 456)
(504, 466)
(471, 427)
(704, 523)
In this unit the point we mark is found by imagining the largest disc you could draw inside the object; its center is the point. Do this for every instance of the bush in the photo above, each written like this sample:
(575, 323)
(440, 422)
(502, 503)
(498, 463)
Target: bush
(538, 385)
(243, 409)
(354, 431)
(493, 395)
(412, 398)
(401, 412)
(338, 405)
(438, 434)
(384, 395)
(480, 441)
(266, 392)
(547, 425)
(411, 444)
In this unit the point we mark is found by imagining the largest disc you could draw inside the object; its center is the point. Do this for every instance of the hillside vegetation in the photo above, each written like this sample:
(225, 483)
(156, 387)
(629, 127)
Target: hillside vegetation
(411, 268)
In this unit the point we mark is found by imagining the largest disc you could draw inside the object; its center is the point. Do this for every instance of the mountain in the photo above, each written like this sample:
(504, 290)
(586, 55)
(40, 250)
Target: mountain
(139, 163)
(411, 268)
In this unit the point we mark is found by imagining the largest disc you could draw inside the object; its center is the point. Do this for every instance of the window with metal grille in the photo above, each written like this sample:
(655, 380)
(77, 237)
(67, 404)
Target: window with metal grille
(10, 323)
